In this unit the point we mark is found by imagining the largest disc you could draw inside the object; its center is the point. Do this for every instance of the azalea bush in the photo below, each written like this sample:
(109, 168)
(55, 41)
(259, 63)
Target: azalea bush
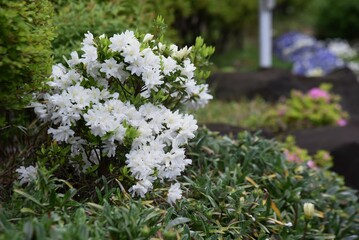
(119, 104)
(317, 107)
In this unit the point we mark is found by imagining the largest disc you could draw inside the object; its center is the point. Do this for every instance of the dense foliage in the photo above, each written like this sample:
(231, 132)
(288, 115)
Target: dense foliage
(338, 19)
(26, 31)
(218, 22)
(236, 189)
(75, 18)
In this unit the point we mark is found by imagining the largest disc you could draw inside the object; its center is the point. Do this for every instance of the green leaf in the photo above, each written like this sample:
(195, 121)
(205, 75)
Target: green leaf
(27, 210)
(177, 221)
(28, 230)
(28, 196)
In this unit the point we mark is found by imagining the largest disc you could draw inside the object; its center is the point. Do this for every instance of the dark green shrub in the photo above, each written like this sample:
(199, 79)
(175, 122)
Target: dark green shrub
(75, 18)
(289, 7)
(338, 19)
(220, 23)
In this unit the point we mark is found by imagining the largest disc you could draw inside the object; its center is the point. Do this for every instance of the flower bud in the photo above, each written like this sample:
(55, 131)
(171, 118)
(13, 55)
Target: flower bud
(161, 47)
(308, 210)
(241, 201)
(148, 37)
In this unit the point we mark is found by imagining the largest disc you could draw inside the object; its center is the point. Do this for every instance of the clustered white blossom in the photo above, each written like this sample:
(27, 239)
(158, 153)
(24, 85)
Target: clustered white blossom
(27, 174)
(174, 193)
(341, 48)
(120, 84)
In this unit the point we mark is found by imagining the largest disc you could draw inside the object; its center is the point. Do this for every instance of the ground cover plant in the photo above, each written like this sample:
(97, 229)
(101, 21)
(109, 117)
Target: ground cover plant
(241, 188)
(317, 107)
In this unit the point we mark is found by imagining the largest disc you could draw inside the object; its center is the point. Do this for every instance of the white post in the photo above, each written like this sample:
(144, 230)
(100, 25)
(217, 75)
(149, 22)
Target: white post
(265, 32)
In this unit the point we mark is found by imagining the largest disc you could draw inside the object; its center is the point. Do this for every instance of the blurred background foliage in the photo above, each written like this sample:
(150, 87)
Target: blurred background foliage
(26, 31)
(338, 19)
(229, 25)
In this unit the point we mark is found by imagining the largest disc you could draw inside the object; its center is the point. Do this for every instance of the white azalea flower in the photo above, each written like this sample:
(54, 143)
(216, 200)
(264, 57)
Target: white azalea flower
(27, 174)
(74, 59)
(148, 37)
(113, 69)
(141, 188)
(90, 54)
(169, 65)
(62, 133)
(188, 69)
(182, 53)
(88, 40)
(131, 51)
(174, 193)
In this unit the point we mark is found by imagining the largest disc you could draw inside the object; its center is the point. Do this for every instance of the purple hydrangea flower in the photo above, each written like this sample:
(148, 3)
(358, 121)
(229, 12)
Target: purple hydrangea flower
(319, 63)
(309, 56)
(291, 46)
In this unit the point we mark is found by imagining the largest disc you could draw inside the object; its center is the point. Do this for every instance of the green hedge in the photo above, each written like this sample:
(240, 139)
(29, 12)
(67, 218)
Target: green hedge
(26, 31)
(75, 18)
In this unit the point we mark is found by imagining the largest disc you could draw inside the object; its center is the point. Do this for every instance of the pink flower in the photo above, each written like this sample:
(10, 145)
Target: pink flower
(342, 122)
(282, 111)
(311, 164)
(291, 157)
(317, 93)
(326, 156)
